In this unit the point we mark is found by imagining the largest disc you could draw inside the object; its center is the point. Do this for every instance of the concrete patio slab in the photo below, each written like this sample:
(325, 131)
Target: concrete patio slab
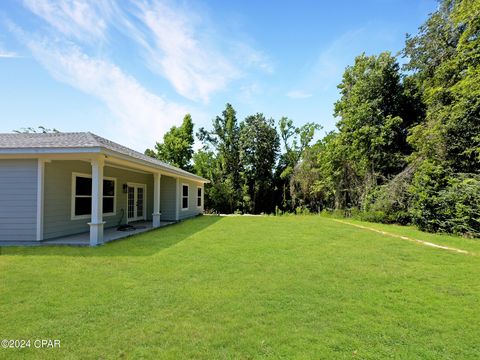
(83, 239)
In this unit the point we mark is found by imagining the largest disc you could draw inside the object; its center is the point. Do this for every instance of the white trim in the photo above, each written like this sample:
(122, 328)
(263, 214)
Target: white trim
(51, 150)
(112, 165)
(96, 150)
(157, 178)
(188, 197)
(86, 153)
(72, 201)
(201, 197)
(137, 185)
(97, 223)
(177, 199)
(40, 197)
(165, 170)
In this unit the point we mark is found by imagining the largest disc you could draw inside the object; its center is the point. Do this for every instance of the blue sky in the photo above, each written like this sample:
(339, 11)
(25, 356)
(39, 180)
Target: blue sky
(129, 70)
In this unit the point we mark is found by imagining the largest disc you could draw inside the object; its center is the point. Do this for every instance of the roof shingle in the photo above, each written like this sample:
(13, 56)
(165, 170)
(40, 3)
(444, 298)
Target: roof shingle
(79, 140)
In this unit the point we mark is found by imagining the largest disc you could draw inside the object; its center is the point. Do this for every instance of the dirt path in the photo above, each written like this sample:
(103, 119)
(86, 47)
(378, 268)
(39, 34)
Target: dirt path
(423, 242)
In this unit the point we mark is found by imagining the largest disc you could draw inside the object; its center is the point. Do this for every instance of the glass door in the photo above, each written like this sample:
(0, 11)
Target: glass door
(136, 202)
(140, 202)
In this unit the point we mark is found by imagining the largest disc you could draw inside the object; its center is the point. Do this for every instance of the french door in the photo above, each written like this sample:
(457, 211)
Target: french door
(136, 202)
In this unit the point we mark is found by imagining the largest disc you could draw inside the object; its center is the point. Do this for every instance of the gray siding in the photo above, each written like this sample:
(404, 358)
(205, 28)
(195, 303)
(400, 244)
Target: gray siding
(167, 198)
(58, 196)
(193, 209)
(18, 200)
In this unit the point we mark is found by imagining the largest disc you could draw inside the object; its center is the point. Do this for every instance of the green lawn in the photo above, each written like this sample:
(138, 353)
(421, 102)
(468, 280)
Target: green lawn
(245, 287)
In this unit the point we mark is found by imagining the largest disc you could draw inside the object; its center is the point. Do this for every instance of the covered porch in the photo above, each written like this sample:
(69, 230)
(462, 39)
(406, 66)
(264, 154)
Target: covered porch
(97, 234)
(109, 234)
(85, 201)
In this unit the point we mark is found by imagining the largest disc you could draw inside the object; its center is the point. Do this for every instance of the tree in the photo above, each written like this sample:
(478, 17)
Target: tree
(259, 147)
(376, 111)
(223, 140)
(295, 141)
(40, 129)
(177, 146)
(370, 111)
(444, 61)
(205, 164)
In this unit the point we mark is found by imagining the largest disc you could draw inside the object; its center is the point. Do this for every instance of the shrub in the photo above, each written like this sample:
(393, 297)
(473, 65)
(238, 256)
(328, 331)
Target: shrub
(389, 203)
(302, 210)
(446, 202)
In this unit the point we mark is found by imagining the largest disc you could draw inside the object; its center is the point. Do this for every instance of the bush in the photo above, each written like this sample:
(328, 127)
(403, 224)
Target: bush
(302, 210)
(446, 202)
(389, 203)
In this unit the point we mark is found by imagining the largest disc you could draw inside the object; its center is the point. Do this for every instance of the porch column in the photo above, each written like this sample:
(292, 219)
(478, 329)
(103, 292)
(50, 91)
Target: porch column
(177, 199)
(40, 197)
(96, 225)
(156, 200)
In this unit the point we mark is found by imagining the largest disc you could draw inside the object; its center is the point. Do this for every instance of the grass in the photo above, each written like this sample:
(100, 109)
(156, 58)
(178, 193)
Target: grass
(468, 244)
(244, 287)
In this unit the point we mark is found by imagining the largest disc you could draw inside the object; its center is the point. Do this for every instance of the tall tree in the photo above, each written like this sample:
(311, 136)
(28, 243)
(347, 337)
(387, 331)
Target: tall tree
(177, 146)
(205, 164)
(375, 114)
(223, 139)
(371, 114)
(295, 141)
(259, 147)
(444, 62)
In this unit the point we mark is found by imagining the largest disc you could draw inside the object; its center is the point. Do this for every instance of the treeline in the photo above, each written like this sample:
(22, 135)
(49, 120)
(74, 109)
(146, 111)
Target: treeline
(406, 148)
(243, 161)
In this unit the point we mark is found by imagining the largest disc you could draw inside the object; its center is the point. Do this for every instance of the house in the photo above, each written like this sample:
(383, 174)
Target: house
(59, 184)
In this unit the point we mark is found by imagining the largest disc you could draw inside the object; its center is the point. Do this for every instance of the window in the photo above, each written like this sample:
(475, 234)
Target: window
(199, 197)
(184, 197)
(82, 196)
(108, 196)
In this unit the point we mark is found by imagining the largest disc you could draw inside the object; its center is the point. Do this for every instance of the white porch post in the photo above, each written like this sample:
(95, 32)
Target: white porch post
(156, 200)
(40, 189)
(96, 224)
(177, 199)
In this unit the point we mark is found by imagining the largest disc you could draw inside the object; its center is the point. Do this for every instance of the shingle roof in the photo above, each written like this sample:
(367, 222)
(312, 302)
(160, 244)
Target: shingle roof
(80, 140)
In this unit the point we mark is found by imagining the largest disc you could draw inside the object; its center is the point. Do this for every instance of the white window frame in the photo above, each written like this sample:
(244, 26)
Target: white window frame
(201, 197)
(74, 196)
(188, 197)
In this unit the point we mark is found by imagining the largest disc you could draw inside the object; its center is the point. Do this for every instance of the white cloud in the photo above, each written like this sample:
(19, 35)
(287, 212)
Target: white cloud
(8, 54)
(252, 58)
(331, 62)
(298, 94)
(4, 53)
(177, 49)
(249, 92)
(178, 43)
(81, 19)
(141, 115)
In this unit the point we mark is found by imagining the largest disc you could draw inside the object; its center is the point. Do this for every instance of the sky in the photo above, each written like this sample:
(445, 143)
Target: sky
(130, 70)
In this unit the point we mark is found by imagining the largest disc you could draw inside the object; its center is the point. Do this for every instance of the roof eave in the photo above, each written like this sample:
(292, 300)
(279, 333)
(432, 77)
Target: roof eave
(187, 175)
(99, 150)
(50, 150)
